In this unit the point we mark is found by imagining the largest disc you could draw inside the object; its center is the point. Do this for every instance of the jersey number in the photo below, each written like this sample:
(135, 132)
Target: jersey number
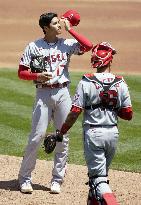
(60, 69)
(109, 99)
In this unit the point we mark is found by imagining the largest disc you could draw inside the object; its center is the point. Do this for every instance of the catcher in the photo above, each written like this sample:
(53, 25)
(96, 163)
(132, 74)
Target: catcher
(103, 97)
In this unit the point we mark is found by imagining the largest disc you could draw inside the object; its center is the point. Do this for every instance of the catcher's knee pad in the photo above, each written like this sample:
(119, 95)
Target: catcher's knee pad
(93, 193)
(109, 199)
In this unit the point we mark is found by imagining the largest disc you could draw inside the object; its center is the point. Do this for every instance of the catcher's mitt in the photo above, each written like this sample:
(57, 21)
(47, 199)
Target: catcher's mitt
(50, 141)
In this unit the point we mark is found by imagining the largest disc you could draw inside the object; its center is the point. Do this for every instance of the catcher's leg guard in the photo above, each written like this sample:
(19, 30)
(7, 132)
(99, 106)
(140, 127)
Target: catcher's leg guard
(109, 199)
(94, 198)
(91, 199)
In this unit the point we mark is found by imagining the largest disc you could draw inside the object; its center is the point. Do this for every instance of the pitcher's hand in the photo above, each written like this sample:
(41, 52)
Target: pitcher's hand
(67, 24)
(44, 76)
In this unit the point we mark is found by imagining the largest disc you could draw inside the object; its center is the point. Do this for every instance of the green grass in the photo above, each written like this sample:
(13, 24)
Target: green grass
(16, 100)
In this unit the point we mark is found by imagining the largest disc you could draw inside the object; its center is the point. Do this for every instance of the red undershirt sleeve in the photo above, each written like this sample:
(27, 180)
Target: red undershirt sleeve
(24, 73)
(84, 42)
(76, 109)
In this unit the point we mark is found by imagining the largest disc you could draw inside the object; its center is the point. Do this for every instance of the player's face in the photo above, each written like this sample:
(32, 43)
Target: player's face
(55, 26)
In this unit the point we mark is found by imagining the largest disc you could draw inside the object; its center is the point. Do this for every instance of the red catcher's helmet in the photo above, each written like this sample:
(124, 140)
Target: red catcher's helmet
(72, 16)
(102, 54)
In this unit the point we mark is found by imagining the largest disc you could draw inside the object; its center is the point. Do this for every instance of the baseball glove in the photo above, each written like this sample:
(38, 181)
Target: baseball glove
(50, 141)
(37, 64)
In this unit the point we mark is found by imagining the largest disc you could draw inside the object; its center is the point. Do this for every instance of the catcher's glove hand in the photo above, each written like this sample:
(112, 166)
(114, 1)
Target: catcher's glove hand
(50, 141)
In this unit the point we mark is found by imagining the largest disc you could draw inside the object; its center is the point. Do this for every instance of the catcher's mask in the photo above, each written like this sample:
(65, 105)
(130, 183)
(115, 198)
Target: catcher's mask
(102, 55)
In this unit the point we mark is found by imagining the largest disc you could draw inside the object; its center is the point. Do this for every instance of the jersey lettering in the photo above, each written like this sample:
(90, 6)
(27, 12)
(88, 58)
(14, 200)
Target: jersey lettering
(47, 59)
(97, 86)
(108, 79)
(54, 58)
(58, 57)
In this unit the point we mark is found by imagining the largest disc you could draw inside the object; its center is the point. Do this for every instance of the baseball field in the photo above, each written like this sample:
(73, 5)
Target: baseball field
(115, 21)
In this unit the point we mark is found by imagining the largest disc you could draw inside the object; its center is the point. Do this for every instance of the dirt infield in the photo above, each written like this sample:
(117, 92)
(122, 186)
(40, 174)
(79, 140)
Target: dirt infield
(126, 185)
(115, 21)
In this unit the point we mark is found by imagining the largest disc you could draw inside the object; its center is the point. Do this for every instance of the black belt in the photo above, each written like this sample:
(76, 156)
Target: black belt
(93, 107)
(99, 105)
(92, 126)
(57, 85)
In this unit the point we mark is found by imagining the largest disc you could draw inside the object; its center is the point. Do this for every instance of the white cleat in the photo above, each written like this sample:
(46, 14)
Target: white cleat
(55, 188)
(26, 188)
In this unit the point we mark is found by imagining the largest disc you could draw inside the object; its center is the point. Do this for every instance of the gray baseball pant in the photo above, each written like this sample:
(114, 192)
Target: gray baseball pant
(50, 104)
(99, 149)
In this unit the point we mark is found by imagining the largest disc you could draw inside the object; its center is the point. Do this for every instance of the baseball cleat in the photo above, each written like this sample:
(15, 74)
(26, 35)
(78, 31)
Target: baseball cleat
(26, 188)
(55, 188)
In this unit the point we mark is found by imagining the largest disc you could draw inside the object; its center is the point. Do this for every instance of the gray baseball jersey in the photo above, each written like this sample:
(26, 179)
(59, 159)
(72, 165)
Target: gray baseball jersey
(88, 93)
(56, 57)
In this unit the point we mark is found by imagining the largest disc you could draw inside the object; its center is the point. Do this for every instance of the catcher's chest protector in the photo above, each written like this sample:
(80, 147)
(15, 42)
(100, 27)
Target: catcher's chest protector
(108, 96)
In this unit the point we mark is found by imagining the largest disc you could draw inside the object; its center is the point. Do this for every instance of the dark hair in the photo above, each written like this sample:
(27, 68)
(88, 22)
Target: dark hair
(45, 19)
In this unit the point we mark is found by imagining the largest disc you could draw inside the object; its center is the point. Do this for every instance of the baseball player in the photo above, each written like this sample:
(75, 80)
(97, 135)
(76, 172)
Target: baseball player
(46, 61)
(103, 97)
